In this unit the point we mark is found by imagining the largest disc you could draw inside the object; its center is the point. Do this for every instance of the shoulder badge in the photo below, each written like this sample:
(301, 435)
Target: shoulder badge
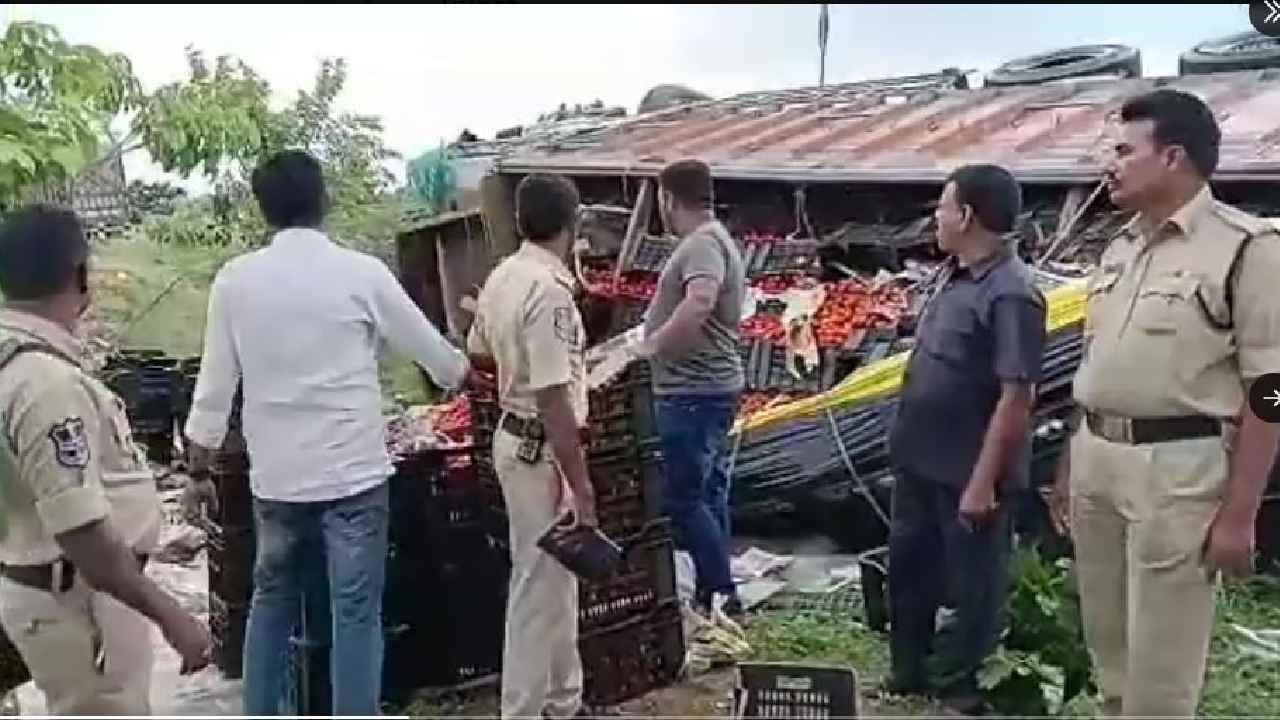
(70, 443)
(566, 325)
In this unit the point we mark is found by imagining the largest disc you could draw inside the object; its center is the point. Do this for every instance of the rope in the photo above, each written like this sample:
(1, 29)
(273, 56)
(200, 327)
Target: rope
(853, 473)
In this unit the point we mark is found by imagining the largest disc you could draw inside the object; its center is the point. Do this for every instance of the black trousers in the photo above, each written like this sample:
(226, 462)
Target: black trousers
(934, 560)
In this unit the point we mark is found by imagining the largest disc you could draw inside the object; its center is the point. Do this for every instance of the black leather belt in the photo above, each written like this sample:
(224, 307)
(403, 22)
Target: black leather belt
(531, 428)
(1144, 431)
(41, 577)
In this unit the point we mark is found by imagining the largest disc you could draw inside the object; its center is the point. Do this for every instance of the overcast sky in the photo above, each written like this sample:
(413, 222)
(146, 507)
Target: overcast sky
(431, 70)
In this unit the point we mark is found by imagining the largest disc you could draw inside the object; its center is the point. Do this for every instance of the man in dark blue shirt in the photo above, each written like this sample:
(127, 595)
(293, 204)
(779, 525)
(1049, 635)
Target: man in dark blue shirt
(961, 442)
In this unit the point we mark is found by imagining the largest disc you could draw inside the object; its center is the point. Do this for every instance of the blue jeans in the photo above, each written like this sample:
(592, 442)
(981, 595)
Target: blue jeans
(694, 432)
(300, 544)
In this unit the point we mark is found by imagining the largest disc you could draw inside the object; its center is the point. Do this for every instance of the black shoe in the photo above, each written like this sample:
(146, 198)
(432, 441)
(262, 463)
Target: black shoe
(906, 686)
(733, 607)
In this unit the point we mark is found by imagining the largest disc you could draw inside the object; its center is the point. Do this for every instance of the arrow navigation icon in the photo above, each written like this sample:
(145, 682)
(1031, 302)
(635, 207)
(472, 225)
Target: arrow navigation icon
(1274, 7)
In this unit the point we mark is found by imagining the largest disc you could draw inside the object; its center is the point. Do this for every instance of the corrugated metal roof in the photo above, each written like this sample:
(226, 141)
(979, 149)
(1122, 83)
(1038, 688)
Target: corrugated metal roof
(913, 130)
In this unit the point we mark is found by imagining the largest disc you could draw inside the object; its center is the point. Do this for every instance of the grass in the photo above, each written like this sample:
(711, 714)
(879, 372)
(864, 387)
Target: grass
(1236, 684)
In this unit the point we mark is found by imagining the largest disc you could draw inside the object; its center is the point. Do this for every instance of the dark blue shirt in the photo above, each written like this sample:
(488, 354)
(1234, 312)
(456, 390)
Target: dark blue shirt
(984, 326)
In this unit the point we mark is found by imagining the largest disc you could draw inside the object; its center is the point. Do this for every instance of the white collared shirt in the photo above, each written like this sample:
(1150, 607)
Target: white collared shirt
(302, 321)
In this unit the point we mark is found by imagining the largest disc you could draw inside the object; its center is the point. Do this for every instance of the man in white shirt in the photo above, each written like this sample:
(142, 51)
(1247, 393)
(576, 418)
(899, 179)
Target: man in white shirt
(300, 323)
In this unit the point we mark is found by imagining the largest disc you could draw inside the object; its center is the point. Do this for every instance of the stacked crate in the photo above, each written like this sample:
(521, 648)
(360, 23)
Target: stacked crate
(146, 380)
(446, 584)
(630, 634)
(231, 548)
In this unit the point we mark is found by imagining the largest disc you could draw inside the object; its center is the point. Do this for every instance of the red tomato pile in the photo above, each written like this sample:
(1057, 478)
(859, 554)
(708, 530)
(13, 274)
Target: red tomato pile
(852, 305)
(764, 326)
(631, 286)
(453, 419)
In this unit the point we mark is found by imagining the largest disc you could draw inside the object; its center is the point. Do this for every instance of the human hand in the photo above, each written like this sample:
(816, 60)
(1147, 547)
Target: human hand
(191, 639)
(199, 497)
(1059, 501)
(977, 505)
(1230, 546)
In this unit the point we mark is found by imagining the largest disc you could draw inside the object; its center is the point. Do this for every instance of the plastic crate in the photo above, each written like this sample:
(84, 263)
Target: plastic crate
(793, 690)
(766, 370)
(231, 578)
(434, 490)
(235, 498)
(645, 580)
(227, 623)
(624, 476)
(626, 314)
(630, 401)
(627, 660)
(777, 258)
(649, 254)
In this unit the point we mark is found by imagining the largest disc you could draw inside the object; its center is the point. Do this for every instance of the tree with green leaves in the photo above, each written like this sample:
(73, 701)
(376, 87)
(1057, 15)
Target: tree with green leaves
(58, 102)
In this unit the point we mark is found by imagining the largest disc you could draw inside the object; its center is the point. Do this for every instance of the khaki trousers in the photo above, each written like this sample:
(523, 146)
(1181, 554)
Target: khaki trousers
(541, 670)
(1140, 519)
(87, 652)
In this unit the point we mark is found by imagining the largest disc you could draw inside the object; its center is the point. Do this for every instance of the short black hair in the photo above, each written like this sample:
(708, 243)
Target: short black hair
(289, 187)
(42, 249)
(992, 192)
(545, 206)
(688, 181)
(1179, 118)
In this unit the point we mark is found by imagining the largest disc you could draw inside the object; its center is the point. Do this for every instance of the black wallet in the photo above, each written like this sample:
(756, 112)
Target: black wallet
(585, 551)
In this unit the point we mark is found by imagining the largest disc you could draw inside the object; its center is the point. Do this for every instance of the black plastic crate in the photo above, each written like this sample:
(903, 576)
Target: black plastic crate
(766, 370)
(158, 445)
(627, 660)
(231, 578)
(626, 314)
(230, 541)
(235, 498)
(645, 580)
(793, 690)
(798, 257)
(624, 476)
(630, 401)
(649, 254)
(227, 623)
(434, 490)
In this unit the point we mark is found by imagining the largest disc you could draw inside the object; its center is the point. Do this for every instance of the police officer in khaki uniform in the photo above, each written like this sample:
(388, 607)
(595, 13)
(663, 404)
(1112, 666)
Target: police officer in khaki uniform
(1165, 472)
(79, 508)
(527, 323)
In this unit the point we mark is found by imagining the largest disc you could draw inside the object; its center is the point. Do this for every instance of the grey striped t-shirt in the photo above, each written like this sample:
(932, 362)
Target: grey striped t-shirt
(712, 365)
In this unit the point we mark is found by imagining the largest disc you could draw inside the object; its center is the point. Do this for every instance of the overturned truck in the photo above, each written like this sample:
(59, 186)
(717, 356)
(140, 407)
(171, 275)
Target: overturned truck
(830, 193)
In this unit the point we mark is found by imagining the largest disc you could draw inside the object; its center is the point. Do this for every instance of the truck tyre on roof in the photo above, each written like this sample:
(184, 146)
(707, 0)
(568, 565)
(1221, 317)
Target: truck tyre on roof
(1243, 51)
(1073, 62)
(661, 97)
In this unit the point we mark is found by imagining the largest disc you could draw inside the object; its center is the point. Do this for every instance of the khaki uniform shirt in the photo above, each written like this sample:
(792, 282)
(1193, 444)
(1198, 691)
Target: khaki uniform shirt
(1152, 349)
(67, 456)
(527, 322)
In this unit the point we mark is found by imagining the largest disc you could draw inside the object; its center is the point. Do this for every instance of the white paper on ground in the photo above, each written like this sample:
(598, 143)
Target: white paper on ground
(754, 563)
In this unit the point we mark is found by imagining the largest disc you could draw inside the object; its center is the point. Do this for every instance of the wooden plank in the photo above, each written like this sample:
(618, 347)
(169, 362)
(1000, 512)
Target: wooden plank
(636, 226)
(498, 206)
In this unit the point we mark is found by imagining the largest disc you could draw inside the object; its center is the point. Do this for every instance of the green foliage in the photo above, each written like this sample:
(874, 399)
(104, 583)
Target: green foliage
(215, 115)
(1239, 684)
(1043, 662)
(57, 102)
(56, 105)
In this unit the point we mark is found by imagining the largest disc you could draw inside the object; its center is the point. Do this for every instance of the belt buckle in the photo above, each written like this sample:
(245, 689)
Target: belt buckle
(1117, 429)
